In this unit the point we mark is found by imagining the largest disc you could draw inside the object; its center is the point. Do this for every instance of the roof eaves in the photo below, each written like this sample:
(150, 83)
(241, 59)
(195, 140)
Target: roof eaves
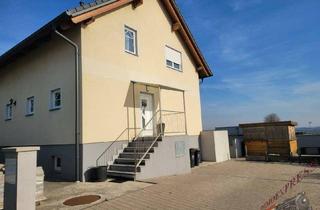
(200, 54)
(84, 8)
(27, 42)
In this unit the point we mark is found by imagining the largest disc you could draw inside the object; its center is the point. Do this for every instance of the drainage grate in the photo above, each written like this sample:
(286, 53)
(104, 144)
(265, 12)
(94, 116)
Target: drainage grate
(82, 200)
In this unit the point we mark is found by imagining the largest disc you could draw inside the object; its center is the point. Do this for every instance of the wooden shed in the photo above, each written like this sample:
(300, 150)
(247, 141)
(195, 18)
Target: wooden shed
(270, 140)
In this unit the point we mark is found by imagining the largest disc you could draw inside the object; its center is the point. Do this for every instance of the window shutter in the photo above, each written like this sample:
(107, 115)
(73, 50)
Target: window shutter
(173, 55)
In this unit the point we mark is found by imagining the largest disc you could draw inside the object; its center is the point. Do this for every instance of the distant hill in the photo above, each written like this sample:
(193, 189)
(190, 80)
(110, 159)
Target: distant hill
(311, 131)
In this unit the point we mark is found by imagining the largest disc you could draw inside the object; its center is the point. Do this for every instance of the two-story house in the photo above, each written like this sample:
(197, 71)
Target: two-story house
(113, 82)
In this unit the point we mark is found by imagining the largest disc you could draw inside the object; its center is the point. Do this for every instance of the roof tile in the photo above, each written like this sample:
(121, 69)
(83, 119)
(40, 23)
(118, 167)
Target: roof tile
(84, 7)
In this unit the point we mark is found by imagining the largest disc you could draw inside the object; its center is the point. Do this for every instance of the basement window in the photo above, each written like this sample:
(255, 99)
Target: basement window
(130, 40)
(55, 99)
(8, 114)
(30, 106)
(173, 59)
(57, 163)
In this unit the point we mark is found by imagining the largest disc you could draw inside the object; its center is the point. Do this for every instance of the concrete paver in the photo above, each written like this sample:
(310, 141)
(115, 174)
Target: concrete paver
(232, 185)
(58, 192)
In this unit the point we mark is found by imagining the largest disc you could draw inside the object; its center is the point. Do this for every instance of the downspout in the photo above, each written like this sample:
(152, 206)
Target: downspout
(77, 113)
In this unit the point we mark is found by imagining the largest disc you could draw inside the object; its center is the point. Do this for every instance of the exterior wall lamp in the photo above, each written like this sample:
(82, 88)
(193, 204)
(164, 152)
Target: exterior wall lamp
(12, 102)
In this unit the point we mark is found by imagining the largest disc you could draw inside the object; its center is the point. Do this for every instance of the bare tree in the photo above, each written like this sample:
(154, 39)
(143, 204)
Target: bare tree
(273, 117)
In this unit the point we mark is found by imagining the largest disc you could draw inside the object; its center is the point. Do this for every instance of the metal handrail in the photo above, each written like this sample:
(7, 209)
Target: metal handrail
(117, 139)
(144, 128)
(169, 113)
(138, 135)
(153, 116)
(154, 141)
(172, 111)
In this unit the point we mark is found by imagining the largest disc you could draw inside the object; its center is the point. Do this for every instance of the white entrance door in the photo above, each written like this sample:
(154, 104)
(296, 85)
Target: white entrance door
(146, 107)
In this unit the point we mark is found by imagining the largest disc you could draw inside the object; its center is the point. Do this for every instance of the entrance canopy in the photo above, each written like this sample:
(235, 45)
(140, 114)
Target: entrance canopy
(157, 86)
(168, 109)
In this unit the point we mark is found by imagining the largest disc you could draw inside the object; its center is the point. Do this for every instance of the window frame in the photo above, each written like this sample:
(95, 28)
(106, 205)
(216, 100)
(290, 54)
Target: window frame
(55, 164)
(28, 111)
(135, 40)
(172, 62)
(52, 103)
(8, 116)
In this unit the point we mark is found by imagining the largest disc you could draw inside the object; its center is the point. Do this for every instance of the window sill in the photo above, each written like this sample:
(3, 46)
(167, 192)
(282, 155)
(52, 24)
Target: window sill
(9, 119)
(131, 53)
(55, 109)
(29, 115)
(179, 70)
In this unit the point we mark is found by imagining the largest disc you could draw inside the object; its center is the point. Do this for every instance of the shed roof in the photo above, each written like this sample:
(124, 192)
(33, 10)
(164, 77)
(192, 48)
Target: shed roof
(87, 11)
(263, 124)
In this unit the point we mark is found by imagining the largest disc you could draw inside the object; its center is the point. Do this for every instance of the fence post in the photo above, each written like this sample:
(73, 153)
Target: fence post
(185, 115)
(160, 111)
(134, 108)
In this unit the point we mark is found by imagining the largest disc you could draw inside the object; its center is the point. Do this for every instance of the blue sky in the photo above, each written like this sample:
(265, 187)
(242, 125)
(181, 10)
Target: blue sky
(264, 53)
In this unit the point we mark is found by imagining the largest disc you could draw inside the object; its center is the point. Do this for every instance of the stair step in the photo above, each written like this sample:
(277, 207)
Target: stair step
(124, 167)
(133, 155)
(120, 174)
(127, 161)
(138, 149)
(148, 138)
(141, 144)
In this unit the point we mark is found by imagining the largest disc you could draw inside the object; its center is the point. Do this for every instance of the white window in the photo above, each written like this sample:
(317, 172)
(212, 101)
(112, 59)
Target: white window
(130, 40)
(173, 59)
(55, 99)
(8, 112)
(30, 106)
(57, 163)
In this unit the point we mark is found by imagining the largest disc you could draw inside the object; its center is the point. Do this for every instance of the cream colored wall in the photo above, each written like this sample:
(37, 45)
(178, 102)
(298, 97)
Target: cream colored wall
(48, 67)
(174, 121)
(108, 70)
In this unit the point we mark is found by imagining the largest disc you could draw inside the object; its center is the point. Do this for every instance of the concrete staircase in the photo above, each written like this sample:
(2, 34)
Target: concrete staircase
(123, 166)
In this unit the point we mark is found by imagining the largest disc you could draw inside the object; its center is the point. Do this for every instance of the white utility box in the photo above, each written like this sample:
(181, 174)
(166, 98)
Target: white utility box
(214, 146)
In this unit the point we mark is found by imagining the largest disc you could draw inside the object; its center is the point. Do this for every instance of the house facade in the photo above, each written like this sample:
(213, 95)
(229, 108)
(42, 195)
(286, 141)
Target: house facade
(135, 77)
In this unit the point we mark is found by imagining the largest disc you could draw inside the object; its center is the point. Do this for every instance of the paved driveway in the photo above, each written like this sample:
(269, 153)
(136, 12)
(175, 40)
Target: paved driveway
(231, 185)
